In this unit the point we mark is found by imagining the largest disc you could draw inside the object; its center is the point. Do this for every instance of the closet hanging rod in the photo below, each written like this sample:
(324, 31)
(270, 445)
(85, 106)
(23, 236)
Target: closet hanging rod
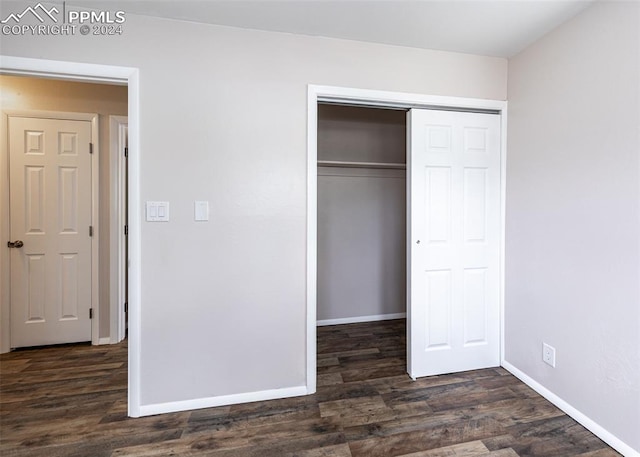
(343, 164)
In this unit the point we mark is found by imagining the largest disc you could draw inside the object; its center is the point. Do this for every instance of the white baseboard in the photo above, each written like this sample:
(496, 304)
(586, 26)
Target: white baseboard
(585, 421)
(356, 319)
(104, 340)
(223, 400)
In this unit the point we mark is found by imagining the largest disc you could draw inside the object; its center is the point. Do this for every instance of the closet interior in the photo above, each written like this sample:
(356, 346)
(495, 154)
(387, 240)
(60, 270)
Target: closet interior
(361, 214)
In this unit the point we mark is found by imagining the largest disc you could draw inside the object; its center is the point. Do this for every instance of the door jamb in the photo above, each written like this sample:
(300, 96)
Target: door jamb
(114, 75)
(95, 210)
(380, 99)
(117, 132)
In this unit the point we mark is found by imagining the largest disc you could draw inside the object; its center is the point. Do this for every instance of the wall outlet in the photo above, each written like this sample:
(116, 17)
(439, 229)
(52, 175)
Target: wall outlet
(549, 355)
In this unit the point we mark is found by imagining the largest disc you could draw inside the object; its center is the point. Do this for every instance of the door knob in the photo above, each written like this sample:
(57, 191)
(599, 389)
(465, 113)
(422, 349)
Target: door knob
(15, 244)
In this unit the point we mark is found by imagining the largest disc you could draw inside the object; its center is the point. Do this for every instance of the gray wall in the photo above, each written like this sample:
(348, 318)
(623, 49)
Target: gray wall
(573, 214)
(361, 214)
(357, 134)
(223, 115)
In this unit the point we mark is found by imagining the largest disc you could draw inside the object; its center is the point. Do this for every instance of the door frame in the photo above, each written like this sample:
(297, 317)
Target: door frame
(117, 261)
(390, 100)
(95, 210)
(109, 74)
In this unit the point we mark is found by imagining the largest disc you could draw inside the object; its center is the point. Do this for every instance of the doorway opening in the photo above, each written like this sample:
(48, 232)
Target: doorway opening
(61, 203)
(361, 243)
(435, 137)
(101, 74)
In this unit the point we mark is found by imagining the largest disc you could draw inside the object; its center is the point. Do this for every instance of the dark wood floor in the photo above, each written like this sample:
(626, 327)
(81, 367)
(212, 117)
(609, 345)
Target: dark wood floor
(71, 401)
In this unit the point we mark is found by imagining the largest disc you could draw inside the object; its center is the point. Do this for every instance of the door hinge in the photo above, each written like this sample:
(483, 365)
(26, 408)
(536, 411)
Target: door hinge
(90, 313)
(126, 152)
(126, 307)
(90, 148)
(126, 229)
(91, 230)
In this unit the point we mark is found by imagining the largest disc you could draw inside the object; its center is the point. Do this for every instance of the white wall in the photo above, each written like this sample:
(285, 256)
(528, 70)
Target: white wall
(223, 118)
(573, 215)
(20, 93)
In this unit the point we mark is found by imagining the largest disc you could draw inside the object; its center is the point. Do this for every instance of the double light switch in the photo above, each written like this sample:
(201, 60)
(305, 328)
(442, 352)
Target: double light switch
(157, 211)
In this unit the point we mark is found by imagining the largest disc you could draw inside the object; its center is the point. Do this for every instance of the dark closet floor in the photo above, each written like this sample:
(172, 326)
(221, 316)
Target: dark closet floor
(71, 401)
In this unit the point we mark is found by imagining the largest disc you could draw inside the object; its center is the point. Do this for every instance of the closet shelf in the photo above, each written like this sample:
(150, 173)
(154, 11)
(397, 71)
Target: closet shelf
(340, 163)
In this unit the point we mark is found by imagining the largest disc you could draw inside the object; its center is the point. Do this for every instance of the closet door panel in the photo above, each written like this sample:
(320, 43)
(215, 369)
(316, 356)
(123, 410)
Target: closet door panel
(454, 222)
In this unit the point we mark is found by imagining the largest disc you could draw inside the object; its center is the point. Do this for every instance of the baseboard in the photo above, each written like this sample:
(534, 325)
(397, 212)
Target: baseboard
(104, 340)
(580, 417)
(223, 400)
(356, 319)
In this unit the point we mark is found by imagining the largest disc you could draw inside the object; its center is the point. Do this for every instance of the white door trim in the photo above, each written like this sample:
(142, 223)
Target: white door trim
(381, 99)
(117, 260)
(106, 74)
(95, 210)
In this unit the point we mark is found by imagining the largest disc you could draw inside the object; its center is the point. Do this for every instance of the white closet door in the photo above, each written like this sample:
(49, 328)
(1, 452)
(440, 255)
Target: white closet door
(454, 241)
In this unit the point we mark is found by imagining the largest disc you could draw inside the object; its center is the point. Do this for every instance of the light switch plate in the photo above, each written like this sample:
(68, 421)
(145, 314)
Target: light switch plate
(201, 210)
(157, 211)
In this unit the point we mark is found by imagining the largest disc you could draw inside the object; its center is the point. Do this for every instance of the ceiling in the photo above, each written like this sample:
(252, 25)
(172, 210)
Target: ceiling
(500, 28)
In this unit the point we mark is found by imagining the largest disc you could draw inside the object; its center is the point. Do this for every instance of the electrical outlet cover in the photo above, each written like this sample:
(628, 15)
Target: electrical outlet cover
(549, 355)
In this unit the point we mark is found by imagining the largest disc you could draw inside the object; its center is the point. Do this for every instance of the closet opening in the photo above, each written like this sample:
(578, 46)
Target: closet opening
(361, 242)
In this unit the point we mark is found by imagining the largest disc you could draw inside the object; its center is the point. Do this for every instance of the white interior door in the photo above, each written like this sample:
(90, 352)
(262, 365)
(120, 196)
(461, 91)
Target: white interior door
(50, 212)
(454, 238)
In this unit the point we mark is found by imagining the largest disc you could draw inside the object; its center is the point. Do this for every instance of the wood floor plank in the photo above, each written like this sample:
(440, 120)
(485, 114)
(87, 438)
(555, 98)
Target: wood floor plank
(424, 438)
(387, 414)
(404, 384)
(330, 379)
(556, 436)
(352, 406)
(516, 411)
(347, 364)
(71, 401)
(508, 452)
(346, 353)
(470, 449)
(604, 452)
(339, 450)
(92, 447)
(270, 448)
(328, 362)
